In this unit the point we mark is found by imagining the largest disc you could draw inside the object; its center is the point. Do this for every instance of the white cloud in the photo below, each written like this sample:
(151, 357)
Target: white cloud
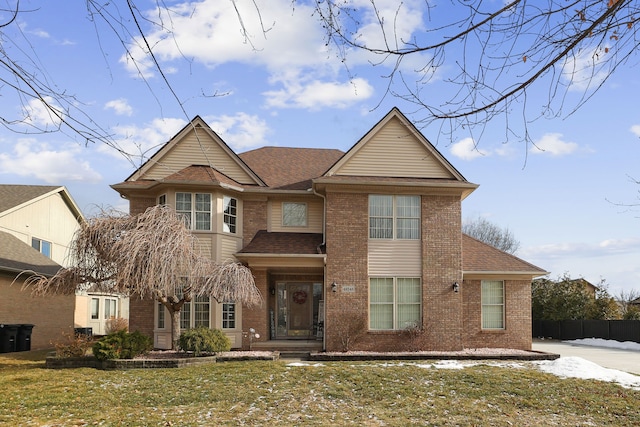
(582, 249)
(241, 130)
(137, 143)
(466, 149)
(552, 143)
(317, 94)
(120, 106)
(39, 160)
(38, 115)
(636, 130)
(587, 69)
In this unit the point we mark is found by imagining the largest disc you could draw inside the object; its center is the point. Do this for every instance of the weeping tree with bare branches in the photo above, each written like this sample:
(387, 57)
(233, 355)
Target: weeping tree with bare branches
(150, 255)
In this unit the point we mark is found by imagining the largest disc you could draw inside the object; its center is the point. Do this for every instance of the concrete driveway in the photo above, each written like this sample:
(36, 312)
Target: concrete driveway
(622, 360)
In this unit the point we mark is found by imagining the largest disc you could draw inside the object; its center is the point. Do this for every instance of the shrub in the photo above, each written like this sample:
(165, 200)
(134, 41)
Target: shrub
(204, 340)
(122, 345)
(116, 324)
(73, 345)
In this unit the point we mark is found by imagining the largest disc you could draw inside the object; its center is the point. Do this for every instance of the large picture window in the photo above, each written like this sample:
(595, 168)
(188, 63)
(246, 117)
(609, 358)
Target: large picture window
(394, 217)
(395, 303)
(196, 313)
(492, 304)
(195, 208)
(230, 214)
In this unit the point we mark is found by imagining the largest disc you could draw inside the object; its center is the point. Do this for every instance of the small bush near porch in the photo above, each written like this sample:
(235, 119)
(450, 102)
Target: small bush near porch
(274, 393)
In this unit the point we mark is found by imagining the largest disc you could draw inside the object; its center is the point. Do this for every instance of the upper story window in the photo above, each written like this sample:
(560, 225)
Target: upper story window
(294, 214)
(195, 208)
(230, 221)
(162, 200)
(41, 246)
(394, 217)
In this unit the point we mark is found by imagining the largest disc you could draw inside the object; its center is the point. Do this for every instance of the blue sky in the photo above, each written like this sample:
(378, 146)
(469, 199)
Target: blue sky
(286, 88)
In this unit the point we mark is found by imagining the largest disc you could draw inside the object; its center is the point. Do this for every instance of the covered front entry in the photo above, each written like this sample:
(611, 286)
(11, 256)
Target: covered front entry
(299, 310)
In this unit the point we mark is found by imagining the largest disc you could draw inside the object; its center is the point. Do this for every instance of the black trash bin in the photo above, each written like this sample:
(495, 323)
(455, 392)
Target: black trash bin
(24, 338)
(87, 332)
(8, 338)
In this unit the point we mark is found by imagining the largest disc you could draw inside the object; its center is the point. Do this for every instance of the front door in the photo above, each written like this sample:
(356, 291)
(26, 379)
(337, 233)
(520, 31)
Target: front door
(295, 307)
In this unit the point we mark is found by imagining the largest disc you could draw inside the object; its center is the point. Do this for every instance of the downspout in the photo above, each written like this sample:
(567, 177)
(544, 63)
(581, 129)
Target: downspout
(324, 264)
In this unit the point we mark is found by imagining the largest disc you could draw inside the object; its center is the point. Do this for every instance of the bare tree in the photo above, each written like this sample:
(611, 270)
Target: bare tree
(497, 54)
(628, 302)
(491, 234)
(150, 255)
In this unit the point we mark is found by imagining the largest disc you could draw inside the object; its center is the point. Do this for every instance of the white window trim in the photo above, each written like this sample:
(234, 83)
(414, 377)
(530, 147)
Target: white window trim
(192, 212)
(192, 313)
(224, 214)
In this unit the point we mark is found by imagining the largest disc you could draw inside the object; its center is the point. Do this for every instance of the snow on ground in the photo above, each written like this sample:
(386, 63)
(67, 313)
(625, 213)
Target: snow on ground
(599, 342)
(564, 367)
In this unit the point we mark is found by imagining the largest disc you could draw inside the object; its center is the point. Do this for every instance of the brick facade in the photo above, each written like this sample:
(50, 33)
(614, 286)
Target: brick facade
(141, 315)
(51, 315)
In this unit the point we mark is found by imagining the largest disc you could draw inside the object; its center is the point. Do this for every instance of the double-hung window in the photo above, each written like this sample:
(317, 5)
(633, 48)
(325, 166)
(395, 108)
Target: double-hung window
(196, 313)
(394, 217)
(394, 303)
(228, 315)
(230, 220)
(492, 304)
(195, 208)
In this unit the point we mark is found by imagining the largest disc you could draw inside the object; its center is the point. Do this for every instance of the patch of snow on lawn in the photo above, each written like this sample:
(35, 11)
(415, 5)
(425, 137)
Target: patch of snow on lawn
(577, 367)
(599, 342)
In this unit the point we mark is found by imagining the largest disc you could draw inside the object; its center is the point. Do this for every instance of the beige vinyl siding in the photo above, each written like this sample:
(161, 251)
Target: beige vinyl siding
(47, 219)
(395, 258)
(205, 244)
(315, 212)
(228, 247)
(190, 151)
(394, 152)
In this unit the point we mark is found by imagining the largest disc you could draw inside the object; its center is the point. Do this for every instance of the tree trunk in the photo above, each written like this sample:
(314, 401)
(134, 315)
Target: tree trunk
(175, 328)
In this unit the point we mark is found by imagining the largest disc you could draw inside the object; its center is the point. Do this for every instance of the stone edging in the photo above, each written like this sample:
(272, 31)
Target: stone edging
(365, 356)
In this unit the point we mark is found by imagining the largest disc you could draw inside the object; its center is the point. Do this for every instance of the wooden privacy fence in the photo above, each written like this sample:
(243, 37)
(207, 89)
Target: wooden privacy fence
(619, 330)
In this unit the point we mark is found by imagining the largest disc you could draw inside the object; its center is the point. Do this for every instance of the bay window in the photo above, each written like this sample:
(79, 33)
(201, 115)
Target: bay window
(230, 219)
(195, 209)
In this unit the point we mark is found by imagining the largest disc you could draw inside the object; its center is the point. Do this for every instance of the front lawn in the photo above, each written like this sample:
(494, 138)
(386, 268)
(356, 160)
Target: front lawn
(331, 393)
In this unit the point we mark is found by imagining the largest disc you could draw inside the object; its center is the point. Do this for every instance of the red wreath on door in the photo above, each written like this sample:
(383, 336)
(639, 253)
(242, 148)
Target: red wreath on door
(300, 297)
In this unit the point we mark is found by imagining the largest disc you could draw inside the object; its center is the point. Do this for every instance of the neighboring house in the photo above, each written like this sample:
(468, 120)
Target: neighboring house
(45, 219)
(347, 246)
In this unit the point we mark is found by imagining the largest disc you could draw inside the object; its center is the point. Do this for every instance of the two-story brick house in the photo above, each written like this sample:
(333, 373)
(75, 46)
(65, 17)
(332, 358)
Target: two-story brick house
(365, 243)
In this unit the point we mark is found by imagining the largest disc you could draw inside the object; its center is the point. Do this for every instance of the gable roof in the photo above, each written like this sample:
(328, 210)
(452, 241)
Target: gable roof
(290, 168)
(13, 197)
(16, 257)
(405, 152)
(481, 258)
(212, 145)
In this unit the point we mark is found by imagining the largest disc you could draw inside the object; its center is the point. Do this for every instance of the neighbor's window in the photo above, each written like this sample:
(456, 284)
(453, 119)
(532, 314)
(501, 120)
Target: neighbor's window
(230, 220)
(95, 308)
(228, 315)
(394, 217)
(394, 302)
(294, 214)
(110, 308)
(160, 316)
(195, 208)
(41, 246)
(492, 304)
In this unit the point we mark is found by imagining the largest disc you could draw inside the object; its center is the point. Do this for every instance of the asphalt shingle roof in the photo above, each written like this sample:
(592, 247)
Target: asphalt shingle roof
(17, 256)
(481, 257)
(290, 168)
(265, 242)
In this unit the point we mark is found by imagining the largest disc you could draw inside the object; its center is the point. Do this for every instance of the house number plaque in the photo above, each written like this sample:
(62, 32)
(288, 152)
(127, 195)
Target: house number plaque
(349, 289)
